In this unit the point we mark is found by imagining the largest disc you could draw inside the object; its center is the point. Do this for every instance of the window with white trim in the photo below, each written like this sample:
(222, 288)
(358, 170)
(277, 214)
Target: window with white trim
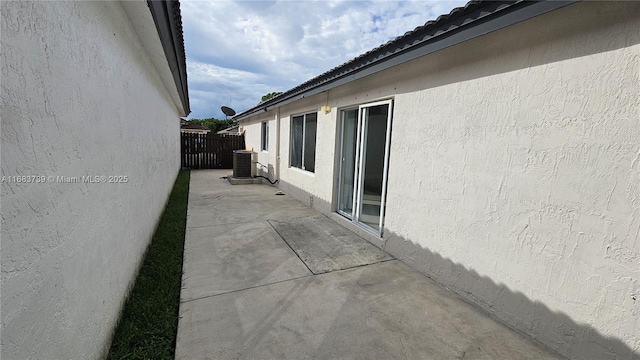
(265, 136)
(303, 141)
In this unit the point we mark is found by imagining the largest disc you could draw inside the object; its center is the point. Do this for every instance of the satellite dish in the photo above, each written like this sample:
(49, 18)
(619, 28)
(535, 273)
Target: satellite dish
(228, 111)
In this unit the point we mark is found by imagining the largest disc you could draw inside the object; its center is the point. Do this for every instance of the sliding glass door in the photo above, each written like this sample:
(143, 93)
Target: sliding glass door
(364, 158)
(347, 162)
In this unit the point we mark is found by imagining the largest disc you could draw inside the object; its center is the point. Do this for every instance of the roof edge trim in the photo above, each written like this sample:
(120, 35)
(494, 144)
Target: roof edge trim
(490, 17)
(168, 21)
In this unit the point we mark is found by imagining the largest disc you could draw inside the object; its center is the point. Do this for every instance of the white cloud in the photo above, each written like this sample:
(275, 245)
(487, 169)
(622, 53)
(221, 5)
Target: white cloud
(238, 51)
(211, 86)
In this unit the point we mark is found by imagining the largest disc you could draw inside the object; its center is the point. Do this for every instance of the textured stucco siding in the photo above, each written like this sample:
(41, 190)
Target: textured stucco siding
(518, 175)
(312, 188)
(514, 173)
(264, 160)
(80, 96)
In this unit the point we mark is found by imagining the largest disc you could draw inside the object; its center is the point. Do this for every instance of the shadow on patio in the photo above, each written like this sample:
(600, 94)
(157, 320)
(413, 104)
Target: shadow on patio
(265, 276)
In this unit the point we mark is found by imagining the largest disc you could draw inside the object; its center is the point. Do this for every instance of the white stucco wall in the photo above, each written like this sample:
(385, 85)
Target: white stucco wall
(525, 170)
(315, 190)
(80, 96)
(264, 160)
(316, 186)
(514, 173)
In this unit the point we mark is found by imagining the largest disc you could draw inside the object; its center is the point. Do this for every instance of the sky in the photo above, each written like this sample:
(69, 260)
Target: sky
(238, 50)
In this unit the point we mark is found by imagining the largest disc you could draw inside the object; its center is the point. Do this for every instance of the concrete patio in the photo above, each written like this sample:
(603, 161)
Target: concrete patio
(266, 277)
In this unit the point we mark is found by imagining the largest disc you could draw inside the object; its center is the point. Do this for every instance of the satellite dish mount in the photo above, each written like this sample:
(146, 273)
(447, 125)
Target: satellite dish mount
(227, 112)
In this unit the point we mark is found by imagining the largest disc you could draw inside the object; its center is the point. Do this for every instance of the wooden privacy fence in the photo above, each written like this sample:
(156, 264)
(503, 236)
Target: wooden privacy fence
(209, 151)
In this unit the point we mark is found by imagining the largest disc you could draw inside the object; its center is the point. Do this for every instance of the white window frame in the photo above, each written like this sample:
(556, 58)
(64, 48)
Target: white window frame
(304, 147)
(359, 165)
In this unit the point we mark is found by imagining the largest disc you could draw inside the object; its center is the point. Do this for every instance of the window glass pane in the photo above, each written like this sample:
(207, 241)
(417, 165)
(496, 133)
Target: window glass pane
(297, 124)
(265, 136)
(374, 138)
(310, 126)
(348, 160)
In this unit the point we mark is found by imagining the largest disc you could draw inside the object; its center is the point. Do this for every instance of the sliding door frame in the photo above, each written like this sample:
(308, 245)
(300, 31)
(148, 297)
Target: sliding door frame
(361, 130)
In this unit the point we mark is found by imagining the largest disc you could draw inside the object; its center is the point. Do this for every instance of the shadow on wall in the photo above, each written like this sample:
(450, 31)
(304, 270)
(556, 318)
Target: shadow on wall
(555, 330)
(306, 197)
(270, 173)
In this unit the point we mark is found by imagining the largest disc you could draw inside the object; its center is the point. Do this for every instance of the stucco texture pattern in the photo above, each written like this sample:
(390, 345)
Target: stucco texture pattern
(514, 173)
(80, 96)
(527, 172)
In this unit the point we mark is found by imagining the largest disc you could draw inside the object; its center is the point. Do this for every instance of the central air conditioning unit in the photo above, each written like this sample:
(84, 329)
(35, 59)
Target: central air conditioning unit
(242, 163)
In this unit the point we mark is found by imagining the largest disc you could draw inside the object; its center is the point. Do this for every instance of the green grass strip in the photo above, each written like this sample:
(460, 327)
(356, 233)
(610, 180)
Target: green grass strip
(149, 323)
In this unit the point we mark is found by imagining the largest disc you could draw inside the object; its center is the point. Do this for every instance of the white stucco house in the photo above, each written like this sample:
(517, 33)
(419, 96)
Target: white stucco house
(496, 150)
(89, 89)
